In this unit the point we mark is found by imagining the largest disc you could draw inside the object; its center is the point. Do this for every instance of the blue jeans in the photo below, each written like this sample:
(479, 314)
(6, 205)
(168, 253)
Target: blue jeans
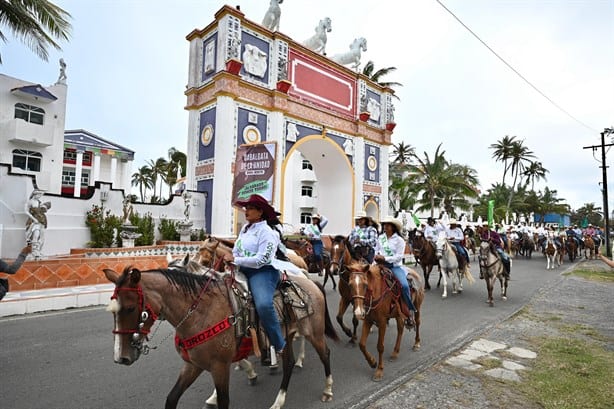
(461, 250)
(262, 283)
(401, 275)
(318, 249)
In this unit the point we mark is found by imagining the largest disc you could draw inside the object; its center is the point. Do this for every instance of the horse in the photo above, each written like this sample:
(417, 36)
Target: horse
(471, 245)
(424, 252)
(527, 245)
(317, 42)
(572, 248)
(551, 253)
(377, 298)
(199, 307)
(352, 56)
(448, 262)
(271, 17)
(492, 268)
(340, 261)
(589, 247)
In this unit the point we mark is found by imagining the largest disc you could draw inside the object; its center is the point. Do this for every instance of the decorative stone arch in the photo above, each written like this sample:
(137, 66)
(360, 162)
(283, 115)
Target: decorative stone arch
(372, 209)
(337, 193)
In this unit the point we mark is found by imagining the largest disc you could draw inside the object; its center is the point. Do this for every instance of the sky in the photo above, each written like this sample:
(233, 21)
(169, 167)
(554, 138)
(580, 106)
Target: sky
(127, 63)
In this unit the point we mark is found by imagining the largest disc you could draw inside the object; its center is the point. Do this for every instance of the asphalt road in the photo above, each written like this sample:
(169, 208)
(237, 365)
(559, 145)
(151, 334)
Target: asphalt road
(65, 359)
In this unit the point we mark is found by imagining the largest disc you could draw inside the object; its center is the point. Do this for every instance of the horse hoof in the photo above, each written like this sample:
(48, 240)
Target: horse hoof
(327, 398)
(377, 377)
(393, 357)
(491, 304)
(253, 381)
(444, 296)
(504, 298)
(416, 347)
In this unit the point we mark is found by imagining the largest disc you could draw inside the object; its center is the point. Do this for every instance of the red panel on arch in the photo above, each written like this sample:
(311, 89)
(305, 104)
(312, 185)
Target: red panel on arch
(316, 82)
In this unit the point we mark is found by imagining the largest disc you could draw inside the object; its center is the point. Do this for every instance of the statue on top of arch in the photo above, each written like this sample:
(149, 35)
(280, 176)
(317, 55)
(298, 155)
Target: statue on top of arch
(271, 17)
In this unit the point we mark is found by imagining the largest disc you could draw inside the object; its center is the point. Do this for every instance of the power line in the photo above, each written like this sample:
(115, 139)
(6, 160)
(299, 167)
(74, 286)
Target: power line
(514, 70)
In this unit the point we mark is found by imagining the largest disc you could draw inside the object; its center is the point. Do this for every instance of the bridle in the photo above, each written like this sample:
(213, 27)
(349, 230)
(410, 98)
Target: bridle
(147, 317)
(216, 262)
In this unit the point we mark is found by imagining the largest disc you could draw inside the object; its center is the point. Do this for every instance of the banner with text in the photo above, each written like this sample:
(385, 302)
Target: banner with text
(254, 171)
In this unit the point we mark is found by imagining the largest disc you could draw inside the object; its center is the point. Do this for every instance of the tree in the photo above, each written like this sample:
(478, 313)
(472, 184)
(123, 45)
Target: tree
(502, 153)
(142, 178)
(37, 23)
(158, 171)
(402, 153)
(590, 212)
(535, 171)
(176, 160)
(369, 71)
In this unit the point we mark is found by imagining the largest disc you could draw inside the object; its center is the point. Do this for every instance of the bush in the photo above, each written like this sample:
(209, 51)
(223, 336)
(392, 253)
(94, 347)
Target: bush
(103, 226)
(145, 226)
(198, 235)
(168, 230)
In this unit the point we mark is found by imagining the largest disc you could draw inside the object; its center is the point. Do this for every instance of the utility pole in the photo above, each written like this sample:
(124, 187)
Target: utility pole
(604, 167)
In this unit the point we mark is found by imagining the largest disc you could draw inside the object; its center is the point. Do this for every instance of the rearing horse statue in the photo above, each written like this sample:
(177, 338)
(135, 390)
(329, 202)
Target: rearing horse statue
(317, 42)
(271, 17)
(352, 56)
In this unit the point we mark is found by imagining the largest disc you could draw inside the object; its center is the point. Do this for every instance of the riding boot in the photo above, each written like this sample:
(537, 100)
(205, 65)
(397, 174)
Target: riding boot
(506, 264)
(481, 274)
(320, 267)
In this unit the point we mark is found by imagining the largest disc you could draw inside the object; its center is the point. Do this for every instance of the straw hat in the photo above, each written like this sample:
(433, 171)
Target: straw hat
(261, 203)
(361, 215)
(453, 221)
(316, 216)
(395, 222)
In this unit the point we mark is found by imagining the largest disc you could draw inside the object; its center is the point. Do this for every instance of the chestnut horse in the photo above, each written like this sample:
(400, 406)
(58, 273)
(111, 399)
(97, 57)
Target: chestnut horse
(210, 334)
(340, 261)
(572, 248)
(589, 247)
(377, 297)
(425, 254)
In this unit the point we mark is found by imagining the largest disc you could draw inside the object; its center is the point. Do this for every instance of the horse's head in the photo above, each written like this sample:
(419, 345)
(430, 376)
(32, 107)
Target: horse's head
(441, 245)
(359, 287)
(360, 43)
(132, 315)
(326, 25)
(207, 252)
(337, 254)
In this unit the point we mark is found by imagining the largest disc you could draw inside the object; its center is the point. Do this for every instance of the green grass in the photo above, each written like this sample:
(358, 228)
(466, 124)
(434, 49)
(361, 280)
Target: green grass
(593, 274)
(570, 373)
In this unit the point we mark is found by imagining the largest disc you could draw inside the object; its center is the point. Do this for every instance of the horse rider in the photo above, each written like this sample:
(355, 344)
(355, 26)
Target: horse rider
(253, 253)
(469, 232)
(12, 269)
(571, 232)
(389, 251)
(501, 230)
(554, 237)
(433, 229)
(455, 236)
(541, 236)
(363, 234)
(494, 238)
(314, 231)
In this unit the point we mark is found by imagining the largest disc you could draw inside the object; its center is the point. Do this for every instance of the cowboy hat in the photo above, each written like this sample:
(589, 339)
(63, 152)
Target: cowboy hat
(453, 221)
(485, 223)
(261, 203)
(316, 216)
(395, 222)
(361, 215)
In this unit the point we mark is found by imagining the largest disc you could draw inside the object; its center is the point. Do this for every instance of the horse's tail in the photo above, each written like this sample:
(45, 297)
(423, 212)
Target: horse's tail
(468, 276)
(329, 329)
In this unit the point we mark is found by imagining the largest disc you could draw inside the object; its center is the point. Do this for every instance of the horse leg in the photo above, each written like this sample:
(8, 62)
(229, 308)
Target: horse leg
(343, 305)
(397, 344)
(319, 344)
(288, 364)
(445, 283)
(301, 351)
(427, 272)
(503, 281)
(417, 319)
(332, 278)
(366, 329)
(381, 336)
(187, 376)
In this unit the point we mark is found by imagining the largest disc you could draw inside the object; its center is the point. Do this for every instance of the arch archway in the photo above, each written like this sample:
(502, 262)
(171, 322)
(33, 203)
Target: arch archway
(335, 182)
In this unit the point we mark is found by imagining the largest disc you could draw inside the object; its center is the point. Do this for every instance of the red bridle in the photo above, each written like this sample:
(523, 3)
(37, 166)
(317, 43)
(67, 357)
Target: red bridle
(145, 312)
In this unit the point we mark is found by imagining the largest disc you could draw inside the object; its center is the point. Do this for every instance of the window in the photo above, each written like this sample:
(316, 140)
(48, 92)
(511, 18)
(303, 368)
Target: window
(305, 218)
(307, 164)
(70, 156)
(307, 191)
(27, 160)
(30, 113)
(68, 177)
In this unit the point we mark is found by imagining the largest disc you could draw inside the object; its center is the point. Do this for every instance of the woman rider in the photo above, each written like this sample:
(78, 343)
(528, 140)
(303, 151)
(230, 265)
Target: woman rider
(253, 253)
(389, 251)
(314, 231)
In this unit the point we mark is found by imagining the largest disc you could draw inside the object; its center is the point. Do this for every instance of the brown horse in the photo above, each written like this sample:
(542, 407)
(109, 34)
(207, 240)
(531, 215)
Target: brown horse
(571, 248)
(589, 247)
(426, 256)
(340, 261)
(210, 333)
(377, 298)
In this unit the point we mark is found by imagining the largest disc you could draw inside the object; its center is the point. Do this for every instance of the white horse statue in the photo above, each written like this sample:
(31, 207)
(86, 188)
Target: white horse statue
(317, 42)
(271, 17)
(352, 56)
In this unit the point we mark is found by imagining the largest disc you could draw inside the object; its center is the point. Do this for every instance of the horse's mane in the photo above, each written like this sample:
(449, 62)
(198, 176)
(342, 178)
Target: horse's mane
(187, 282)
(339, 239)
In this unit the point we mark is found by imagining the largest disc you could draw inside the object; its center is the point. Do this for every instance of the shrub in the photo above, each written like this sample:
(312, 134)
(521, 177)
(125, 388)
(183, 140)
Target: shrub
(103, 226)
(168, 229)
(145, 226)
(198, 235)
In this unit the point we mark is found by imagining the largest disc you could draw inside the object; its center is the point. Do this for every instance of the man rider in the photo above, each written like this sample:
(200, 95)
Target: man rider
(432, 230)
(493, 237)
(454, 234)
(363, 234)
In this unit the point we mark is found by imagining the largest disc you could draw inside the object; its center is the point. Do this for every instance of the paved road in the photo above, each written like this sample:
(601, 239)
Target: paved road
(64, 359)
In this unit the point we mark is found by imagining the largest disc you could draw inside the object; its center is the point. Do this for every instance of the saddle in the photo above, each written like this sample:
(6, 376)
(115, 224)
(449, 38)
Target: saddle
(394, 286)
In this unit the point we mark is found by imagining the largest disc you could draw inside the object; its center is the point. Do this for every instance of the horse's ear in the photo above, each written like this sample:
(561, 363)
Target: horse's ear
(111, 275)
(186, 259)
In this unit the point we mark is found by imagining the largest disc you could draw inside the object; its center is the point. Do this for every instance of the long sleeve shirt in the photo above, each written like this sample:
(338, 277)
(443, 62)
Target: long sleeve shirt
(256, 245)
(493, 236)
(392, 248)
(12, 268)
(455, 235)
(314, 231)
(363, 235)
(432, 232)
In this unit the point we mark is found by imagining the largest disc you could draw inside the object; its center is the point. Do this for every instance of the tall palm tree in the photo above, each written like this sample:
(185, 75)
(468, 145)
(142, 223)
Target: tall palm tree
(590, 212)
(502, 152)
(142, 178)
(158, 172)
(402, 153)
(535, 171)
(37, 23)
(176, 160)
(369, 71)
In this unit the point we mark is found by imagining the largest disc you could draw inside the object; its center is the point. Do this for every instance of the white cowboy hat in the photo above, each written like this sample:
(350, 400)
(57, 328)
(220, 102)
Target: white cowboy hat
(316, 216)
(393, 221)
(485, 223)
(360, 215)
(452, 221)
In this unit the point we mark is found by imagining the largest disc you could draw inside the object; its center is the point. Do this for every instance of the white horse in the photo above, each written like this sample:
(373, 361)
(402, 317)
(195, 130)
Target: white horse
(317, 42)
(271, 17)
(352, 56)
(449, 266)
(551, 252)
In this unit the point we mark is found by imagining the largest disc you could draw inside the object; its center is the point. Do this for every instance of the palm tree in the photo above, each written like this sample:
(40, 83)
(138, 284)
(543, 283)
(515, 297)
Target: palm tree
(591, 213)
(402, 153)
(158, 171)
(369, 71)
(176, 160)
(535, 171)
(142, 178)
(35, 23)
(502, 152)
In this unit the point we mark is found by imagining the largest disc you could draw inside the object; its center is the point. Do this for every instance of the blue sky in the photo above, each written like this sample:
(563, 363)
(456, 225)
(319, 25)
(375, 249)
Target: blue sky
(127, 70)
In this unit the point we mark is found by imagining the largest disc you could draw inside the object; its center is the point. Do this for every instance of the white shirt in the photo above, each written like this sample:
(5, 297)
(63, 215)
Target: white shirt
(456, 234)
(392, 248)
(314, 232)
(256, 246)
(432, 232)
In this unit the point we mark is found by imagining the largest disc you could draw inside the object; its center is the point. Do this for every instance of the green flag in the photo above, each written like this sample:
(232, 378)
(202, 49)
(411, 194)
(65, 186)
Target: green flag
(491, 210)
(416, 220)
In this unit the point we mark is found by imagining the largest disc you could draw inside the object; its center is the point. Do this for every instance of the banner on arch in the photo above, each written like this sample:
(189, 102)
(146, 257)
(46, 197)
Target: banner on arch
(254, 171)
